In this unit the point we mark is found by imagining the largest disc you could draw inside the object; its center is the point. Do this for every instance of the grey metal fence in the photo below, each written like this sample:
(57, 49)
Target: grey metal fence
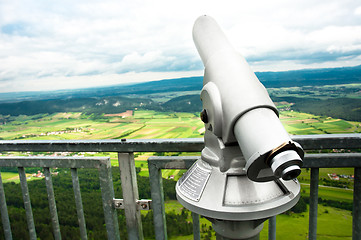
(106, 184)
(132, 204)
(313, 161)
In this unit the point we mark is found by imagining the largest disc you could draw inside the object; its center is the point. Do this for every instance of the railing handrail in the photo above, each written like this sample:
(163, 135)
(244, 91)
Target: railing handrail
(53, 162)
(308, 142)
(126, 148)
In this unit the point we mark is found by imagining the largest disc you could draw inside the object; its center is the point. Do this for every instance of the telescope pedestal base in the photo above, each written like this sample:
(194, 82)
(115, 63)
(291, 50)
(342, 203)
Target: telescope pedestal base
(219, 237)
(246, 230)
(218, 188)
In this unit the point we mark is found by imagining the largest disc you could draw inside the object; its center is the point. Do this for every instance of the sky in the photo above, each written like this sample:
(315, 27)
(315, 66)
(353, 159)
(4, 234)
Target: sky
(48, 45)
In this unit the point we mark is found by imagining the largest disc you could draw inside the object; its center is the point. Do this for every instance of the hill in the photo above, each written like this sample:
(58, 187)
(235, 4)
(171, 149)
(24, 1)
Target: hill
(86, 105)
(344, 108)
(168, 85)
(313, 91)
(311, 77)
(306, 77)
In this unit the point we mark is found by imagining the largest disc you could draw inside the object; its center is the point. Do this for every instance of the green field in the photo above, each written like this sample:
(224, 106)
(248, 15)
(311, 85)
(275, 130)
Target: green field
(143, 124)
(304, 124)
(150, 124)
(332, 224)
(331, 193)
(305, 174)
(14, 177)
(9, 176)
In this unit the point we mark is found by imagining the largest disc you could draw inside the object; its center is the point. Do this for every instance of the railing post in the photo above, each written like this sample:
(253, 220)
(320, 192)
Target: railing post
(356, 212)
(130, 195)
(272, 228)
(196, 227)
(52, 204)
(78, 203)
(27, 203)
(156, 189)
(313, 204)
(107, 190)
(4, 212)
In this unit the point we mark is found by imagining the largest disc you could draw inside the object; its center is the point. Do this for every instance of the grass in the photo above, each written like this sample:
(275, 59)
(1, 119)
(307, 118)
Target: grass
(9, 176)
(336, 224)
(323, 173)
(303, 124)
(330, 193)
(150, 124)
(332, 224)
(14, 177)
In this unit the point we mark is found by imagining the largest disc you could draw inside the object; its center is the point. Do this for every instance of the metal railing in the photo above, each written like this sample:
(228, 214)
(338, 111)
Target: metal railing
(126, 149)
(74, 163)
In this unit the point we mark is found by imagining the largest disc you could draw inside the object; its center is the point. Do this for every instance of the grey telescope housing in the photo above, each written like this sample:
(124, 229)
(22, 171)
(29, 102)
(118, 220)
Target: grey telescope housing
(239, 109)
(248, 167)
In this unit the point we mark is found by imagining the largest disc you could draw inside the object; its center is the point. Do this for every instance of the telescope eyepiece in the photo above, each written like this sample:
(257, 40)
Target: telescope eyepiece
(286, 165)
(291, 172)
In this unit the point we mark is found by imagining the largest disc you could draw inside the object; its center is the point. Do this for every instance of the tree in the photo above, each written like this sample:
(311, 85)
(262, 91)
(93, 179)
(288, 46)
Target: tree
(300, 207)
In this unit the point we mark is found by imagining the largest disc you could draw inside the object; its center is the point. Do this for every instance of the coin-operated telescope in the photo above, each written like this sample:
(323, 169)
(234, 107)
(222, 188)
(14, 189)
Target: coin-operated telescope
(248, 168)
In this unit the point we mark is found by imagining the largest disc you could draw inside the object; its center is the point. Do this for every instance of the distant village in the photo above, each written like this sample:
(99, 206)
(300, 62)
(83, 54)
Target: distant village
(68, 130)
(40, 174)
(334, 176)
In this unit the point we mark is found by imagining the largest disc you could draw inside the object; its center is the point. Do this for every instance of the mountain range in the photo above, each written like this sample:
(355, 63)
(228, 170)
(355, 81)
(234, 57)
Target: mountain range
(306, 77)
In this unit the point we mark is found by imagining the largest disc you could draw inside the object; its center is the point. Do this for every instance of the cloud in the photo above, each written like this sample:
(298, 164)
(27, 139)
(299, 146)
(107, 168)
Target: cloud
(45, 42)
(49, 83)
(358, 10)
(142, 63)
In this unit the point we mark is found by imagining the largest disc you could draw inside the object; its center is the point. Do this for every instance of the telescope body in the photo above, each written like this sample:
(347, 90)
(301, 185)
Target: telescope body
(239, 89)
(248, 167)
(238, 107)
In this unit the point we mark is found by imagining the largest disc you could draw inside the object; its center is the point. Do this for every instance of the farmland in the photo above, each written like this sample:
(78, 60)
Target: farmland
(303, 124)
(170, 109)
(147, 124)
(143, 124)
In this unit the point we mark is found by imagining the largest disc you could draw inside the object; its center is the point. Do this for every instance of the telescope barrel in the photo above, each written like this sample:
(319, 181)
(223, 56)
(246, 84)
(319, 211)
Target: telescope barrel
(242, 176)
(231, 79)
(238, 108)
(209, 38)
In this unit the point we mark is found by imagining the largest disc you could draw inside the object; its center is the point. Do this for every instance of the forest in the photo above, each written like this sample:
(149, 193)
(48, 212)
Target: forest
(178, 223)
(344, 108)
(337, 107)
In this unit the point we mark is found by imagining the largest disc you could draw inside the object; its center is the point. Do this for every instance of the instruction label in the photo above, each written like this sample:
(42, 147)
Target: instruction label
(192, 183)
